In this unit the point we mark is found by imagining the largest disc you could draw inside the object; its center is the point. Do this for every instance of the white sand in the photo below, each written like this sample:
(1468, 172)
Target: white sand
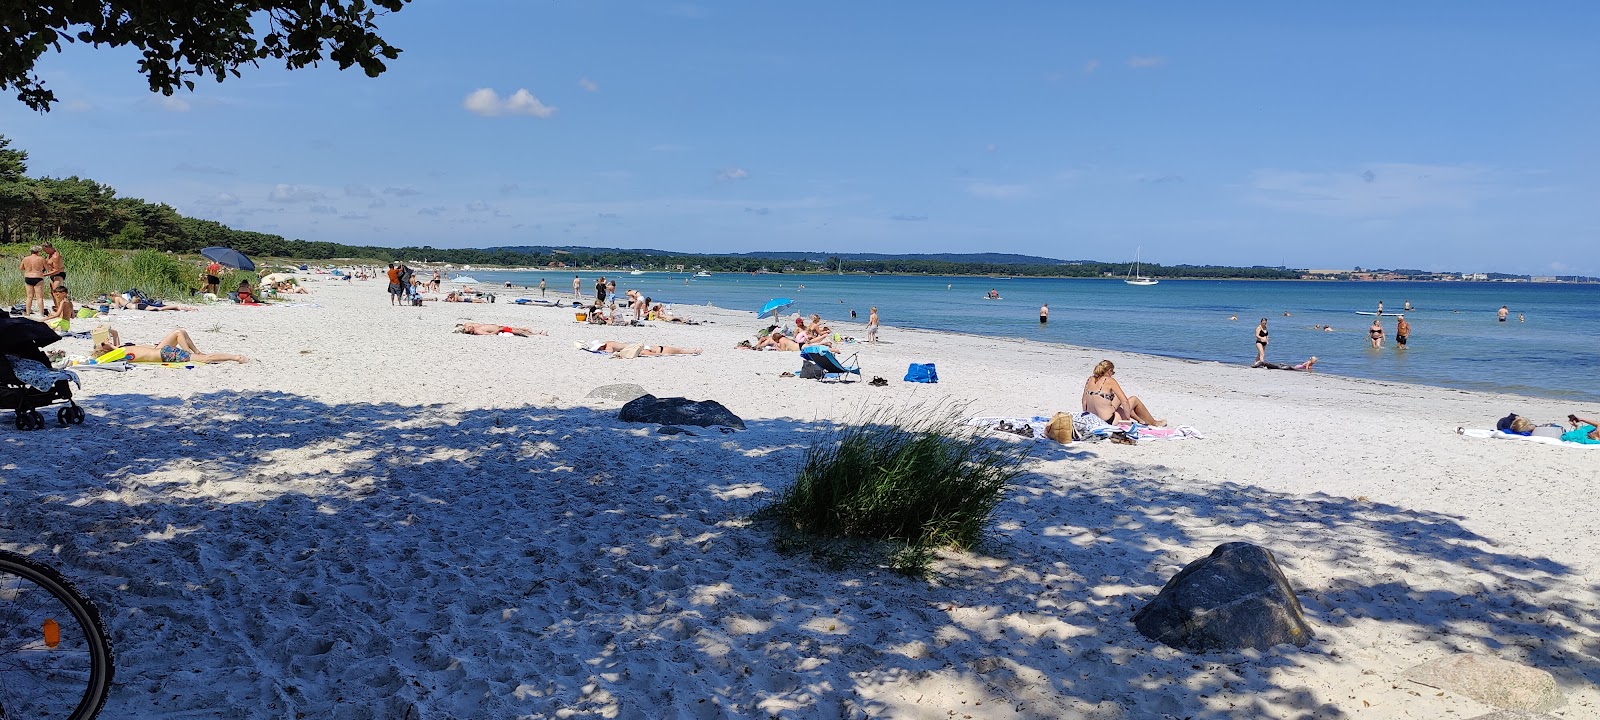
(379, 517)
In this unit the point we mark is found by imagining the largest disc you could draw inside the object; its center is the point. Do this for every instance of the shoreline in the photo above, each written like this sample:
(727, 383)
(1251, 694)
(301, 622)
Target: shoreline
(380, 512)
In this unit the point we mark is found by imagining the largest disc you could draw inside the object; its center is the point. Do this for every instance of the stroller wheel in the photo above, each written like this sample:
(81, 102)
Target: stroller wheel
(75, 415)
(23, 421)
(38, 420)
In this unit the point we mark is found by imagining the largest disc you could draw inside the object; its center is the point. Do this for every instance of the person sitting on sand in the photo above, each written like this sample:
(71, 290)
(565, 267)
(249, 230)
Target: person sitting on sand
(245, 295)
(478, 328)
(1584, 431)
(776, 340)
(60, 318)
(176, 347)
(1104, 398)
(1305, 366)
(625, 349)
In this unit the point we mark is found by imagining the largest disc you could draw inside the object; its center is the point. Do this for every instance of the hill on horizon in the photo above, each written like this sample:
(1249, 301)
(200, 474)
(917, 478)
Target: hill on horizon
(990, 258)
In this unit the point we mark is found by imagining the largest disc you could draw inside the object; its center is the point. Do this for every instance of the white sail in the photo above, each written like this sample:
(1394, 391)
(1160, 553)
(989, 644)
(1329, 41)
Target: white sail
(1134, 278)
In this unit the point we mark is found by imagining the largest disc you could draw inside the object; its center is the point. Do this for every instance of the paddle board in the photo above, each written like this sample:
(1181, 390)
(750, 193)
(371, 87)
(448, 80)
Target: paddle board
(1387, 314)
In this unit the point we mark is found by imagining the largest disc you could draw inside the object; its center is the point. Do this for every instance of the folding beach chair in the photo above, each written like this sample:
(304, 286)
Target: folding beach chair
(832, 367)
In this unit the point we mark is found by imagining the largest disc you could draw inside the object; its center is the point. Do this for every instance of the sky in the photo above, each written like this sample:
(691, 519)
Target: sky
(1440, 136)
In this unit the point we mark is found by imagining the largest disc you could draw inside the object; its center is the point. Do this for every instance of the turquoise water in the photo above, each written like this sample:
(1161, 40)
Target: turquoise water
(1455, 340)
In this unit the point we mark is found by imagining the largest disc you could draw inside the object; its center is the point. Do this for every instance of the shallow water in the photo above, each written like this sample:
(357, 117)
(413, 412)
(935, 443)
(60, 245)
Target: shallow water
(1455, 339)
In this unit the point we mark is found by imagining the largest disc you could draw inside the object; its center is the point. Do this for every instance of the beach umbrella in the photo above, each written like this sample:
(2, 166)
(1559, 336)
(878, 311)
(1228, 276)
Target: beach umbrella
(774, 305)
(229, 257)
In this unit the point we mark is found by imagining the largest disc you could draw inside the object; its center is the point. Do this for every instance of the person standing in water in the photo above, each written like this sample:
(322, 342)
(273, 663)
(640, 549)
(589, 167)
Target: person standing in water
(541, 287)
(1261, 342)
(1408, 305)
(1402, 330)
(1503, 313)
(872, 325)
(1380, 307)
(1044, 313)
(1376, 334)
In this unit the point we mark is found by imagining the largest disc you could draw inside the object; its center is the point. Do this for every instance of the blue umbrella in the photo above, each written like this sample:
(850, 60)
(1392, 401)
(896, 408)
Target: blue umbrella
(774, 305)
(228, 256)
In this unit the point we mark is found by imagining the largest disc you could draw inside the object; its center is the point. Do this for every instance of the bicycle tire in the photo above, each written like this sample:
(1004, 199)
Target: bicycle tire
(30, 590)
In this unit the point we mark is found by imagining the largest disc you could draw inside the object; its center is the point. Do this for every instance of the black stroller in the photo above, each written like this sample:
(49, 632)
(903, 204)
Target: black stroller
(25, 339)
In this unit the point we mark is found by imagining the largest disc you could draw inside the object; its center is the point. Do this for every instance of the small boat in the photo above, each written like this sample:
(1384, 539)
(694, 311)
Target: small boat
(637, 272)
(702, 273)
(1134, 278)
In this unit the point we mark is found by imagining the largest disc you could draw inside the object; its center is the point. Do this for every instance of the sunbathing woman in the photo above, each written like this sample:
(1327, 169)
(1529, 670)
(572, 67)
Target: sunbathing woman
(777, 341)
(478, 328)
(1306, 366)
(1104, 398)
(612, 346)
(176, 347)
(123, 302)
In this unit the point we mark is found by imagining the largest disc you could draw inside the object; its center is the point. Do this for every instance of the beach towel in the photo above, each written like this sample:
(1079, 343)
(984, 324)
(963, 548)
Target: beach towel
(1147, 432)
(922, 373)
(1497, 435)
(1014, 425)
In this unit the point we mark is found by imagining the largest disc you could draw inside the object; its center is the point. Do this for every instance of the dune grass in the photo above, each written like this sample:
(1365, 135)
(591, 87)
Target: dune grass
(917, 477)
(92, 272)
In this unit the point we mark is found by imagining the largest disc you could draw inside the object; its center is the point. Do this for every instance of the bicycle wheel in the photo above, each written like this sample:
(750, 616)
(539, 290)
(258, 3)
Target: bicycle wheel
(55, 658)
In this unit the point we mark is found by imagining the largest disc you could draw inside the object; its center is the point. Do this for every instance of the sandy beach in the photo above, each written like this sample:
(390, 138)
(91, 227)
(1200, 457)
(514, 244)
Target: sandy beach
(377, 518)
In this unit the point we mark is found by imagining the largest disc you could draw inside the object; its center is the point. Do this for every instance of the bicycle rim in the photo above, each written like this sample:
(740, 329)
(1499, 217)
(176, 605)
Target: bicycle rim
(55, 658)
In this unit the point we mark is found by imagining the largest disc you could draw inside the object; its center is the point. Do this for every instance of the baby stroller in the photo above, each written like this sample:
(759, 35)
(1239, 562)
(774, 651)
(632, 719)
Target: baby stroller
(23, 340)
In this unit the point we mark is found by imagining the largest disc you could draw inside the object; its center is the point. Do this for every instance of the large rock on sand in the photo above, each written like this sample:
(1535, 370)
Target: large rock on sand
(622, 391)
(1490, 680)
(678, 411)
(1233, 599)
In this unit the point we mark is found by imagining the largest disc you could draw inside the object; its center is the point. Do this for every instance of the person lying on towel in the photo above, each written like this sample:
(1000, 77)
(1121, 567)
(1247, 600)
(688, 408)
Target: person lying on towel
(176, 347)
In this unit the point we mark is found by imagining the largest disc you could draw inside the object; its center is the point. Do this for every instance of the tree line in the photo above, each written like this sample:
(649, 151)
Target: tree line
(81, 209)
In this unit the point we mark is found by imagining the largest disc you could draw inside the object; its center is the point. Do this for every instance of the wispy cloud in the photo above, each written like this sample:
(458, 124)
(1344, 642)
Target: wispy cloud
(219, 200)
(354, 216)
(1146, 61)
(488, 103)
(324, 210)
(357, 191)
(171, 103)
(588, 84)
(436, 210)
(909, 218)
(997, 190)
(479, 206)
(282, 193)
(1375, 190)
(77, 106)
(406, 191)
(198, 169)
(1159, 179)
(733, 174)
(1091, 66)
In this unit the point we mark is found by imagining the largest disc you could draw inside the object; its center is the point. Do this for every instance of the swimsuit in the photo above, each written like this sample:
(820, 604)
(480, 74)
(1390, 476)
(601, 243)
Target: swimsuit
(173, 353)
(33, 281)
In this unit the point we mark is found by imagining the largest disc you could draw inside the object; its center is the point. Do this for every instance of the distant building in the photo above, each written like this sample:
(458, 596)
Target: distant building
(1544, 278)
(1475, 277)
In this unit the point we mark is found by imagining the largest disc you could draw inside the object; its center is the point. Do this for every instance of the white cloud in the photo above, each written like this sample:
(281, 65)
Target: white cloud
(997, 190)
(324, 210)
(1146, 61)
(76, 106)
(488, 103)
(1374, 190)
(1091, 66)
(219, 200)
(406, 191)
(172, 103)
(360, 191)
(588, 84)
(732, 174)
(294, 193)
(479, 206)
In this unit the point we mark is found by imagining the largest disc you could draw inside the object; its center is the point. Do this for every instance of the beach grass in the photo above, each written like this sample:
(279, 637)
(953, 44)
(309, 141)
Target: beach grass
(92, 272)
(914, 476)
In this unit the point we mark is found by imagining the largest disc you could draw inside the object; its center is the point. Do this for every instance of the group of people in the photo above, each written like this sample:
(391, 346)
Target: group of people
(1583, 430)
(811, 331)
(43, 262)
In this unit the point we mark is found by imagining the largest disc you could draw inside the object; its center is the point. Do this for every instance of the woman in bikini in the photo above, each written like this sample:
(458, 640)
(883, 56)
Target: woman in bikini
(1261, 342)
(176, 347)
(1375, 333)
(1104, 398)
(478, 328)
(612, 346)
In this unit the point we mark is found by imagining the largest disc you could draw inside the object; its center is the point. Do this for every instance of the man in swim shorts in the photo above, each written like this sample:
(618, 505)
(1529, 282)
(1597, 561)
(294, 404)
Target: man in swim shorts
(1503, 313)
(54, 267)
(1402, 330)
(33, 266)
(1044, 314)
(394, 284)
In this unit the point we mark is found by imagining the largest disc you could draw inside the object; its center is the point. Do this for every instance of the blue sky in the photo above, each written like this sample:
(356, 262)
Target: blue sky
(1433, 135)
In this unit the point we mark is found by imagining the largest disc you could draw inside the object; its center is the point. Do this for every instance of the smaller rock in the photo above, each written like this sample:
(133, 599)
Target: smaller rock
(1233, 599)
(673, 430)
(621, 391)
(1491, 681)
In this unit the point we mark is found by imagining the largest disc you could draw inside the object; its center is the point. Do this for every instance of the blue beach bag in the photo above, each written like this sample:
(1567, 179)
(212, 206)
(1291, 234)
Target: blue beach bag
(922, 373)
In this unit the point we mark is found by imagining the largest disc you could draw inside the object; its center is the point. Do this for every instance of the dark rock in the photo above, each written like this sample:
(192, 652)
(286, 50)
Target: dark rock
(678, 411)
(1233, 599)
(623, 392)
(1491, 681)
(673, 430)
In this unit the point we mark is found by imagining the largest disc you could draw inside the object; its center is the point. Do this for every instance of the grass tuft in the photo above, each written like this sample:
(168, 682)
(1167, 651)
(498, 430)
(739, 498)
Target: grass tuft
(918, 477)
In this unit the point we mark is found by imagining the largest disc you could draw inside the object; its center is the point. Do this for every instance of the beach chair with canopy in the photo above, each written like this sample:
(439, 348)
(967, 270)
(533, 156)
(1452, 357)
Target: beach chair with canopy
(832, 367)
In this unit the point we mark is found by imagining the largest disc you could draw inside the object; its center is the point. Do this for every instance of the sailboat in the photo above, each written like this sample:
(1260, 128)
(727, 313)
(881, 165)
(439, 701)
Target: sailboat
(1134, 278)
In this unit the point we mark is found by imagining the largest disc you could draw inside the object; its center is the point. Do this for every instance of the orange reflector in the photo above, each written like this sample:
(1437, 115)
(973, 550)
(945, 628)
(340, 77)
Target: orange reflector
(52, 633)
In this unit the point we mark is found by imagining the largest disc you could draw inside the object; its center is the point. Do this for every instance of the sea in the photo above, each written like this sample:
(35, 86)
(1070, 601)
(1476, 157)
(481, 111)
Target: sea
(1549, 347)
